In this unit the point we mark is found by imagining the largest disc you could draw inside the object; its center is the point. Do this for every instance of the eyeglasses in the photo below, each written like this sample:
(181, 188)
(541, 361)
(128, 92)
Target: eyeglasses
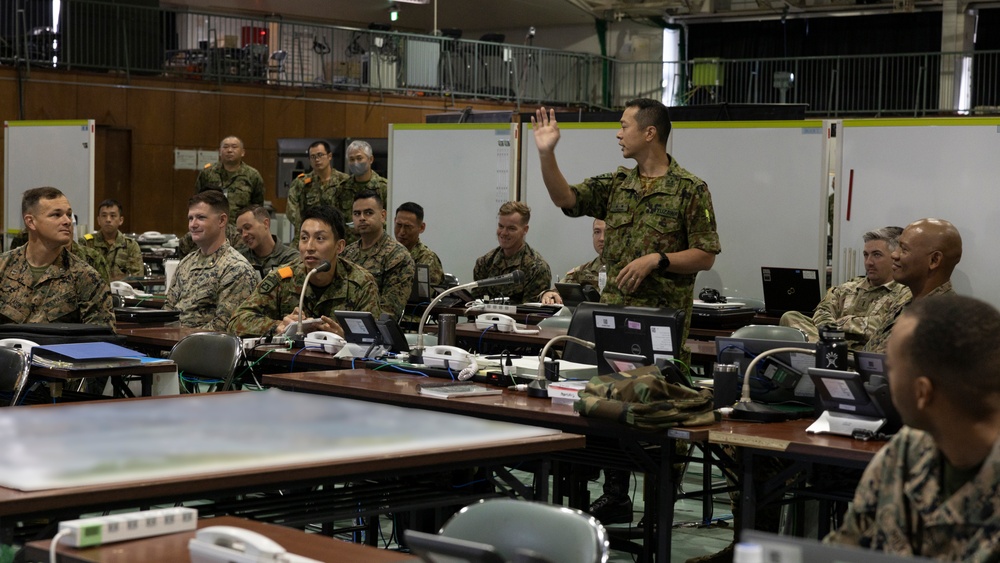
(318, 156)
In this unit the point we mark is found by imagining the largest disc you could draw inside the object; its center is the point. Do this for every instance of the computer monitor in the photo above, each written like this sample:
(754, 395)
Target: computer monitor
(780, 378)
(643, 331)
(359, 327)
(790, 289)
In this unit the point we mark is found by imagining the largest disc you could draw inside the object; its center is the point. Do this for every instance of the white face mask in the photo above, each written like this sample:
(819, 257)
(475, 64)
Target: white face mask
(357, 168)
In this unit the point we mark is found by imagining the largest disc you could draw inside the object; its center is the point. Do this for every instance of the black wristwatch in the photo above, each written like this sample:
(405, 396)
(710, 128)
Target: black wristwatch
(664, 262)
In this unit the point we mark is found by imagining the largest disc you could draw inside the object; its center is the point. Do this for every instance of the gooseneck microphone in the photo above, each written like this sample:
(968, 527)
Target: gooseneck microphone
(417, 352)
(323, 267)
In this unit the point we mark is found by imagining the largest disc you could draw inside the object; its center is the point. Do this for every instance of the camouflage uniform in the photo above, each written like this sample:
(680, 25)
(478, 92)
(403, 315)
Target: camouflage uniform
(352, 289)
(69, 291)
(124, 257)
(350, 187)
(243, 188)
(855, 306)
(878, 342)
(421, 254)
(537, 275)
(900, 506)
(94, 258)
(676, 214)
(586, 274)
(208, 289)
(280, 256)
(391, 265)
(307, 190)
(186, 244)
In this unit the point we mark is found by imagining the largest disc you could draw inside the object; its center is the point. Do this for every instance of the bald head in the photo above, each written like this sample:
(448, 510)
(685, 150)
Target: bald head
(929, 249)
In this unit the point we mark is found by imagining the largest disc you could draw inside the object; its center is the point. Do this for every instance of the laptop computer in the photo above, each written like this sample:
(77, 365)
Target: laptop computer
(790, 289)
(573, 294)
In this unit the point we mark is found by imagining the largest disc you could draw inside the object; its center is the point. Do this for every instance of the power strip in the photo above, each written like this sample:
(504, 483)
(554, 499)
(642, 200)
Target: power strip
(498, 308)
(251, 343)
(88, 532)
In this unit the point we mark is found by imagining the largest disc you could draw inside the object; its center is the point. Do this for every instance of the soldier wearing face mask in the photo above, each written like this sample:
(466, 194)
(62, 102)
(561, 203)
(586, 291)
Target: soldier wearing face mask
(359, 166)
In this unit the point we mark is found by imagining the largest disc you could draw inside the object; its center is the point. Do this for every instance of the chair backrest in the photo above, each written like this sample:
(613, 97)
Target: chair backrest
(208, 355)
(555, 533)
(22, 343)
(582, 327)
(14, 367)
(770, 332)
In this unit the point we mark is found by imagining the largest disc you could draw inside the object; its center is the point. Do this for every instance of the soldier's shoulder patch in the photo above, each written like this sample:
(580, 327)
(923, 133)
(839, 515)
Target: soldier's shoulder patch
(270, 282)
(88, 236)
(300, 175)
(307, 180)
(207, 166)
(285, 272)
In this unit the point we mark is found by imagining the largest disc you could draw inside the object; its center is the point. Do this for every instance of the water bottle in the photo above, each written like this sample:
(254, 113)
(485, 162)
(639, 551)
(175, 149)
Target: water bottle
(831, 350)
(446, 329)
(602, 278)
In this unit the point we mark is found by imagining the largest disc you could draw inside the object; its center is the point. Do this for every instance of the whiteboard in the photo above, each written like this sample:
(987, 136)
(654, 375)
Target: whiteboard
(584, 150)
(49, 153)
(906, 170)
(460, 174)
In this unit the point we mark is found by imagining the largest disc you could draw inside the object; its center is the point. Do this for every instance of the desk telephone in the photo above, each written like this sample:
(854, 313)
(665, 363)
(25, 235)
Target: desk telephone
(229, 544)
(330, 343)
(502, 323)
(126, 290)
(451, 357)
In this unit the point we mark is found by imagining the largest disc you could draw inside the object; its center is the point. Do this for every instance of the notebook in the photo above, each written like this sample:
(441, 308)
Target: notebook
(790, 289)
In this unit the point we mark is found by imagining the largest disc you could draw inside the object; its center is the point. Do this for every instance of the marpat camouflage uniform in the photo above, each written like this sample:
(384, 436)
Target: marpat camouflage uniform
(186, 244)
(900, 505)
(421, 254)
(280, 256)
(352, 289)
(855, 307)
(69, 291)
(537, 275)
(878, 342)
(307, 190)
(676, 214)
(208, 289)
(391, 265)
(124, 257)
(243, 188)
(93, 258)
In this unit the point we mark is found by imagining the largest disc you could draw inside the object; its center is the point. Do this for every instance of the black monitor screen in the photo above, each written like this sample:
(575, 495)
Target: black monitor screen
(843, 391)
(359, 327)
(642, 331)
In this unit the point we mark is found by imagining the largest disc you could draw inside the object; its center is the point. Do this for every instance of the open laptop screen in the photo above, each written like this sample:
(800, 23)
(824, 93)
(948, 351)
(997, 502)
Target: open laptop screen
(790, 289)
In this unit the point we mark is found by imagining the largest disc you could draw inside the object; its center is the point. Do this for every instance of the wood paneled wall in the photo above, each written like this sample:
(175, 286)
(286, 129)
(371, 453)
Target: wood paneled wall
(149, 117)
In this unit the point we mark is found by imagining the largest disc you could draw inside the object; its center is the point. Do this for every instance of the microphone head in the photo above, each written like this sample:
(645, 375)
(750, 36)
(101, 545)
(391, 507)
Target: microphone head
(517, 276)
(323, 267)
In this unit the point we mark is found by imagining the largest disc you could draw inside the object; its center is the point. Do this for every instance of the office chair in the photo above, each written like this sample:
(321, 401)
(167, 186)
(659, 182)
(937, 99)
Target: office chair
(529, 531)
(14, 368)
(770, 332)
(207, 357)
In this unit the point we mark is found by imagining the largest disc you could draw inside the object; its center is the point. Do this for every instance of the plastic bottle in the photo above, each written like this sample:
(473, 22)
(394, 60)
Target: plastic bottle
(602, 278)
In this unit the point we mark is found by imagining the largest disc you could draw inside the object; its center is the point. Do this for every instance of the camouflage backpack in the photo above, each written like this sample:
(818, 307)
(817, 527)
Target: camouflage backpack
(643, 398)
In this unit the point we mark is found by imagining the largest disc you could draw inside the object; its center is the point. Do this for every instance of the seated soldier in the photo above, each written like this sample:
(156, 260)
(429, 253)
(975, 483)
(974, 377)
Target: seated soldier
(584, 274)
(512, 254)
(122, 254)
(345, 286)
(264, 251)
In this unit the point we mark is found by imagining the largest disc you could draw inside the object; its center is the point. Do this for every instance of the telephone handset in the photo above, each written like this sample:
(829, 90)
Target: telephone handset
(330, 343)
(502, 323)
(126, 290)
(308, 325)
(456, 358)
(229, 544)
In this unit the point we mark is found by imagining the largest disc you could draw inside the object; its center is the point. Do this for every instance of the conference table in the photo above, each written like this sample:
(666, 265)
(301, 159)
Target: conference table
(106, 455)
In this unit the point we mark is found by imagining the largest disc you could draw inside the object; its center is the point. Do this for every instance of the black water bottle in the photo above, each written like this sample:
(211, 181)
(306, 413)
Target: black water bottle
(831, 350)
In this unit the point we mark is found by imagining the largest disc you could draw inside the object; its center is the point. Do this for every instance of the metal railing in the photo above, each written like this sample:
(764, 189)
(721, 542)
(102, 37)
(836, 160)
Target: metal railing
(89, 35)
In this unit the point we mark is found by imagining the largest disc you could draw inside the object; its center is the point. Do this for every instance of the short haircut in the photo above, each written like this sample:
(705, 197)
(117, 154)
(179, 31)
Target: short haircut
(30, 198)
(258, 211)
(414, 208)
(363, 146)
(366, 194)
(111, 203)
(956, 344)
(324, 144)
(890, 235)
(329, 215)
(652, 112)
(512, 207)
(215, 199)
(223, 141)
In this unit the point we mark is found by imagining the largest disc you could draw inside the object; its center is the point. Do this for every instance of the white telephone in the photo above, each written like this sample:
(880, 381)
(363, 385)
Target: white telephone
(229, 544)
(330, 343)
(126, 290)
(502, 323)
(458, 359)
(308, 325)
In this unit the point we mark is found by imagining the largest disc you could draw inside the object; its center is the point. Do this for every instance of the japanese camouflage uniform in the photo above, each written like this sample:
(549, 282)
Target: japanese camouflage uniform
(352, 289)
(878, 342)
(280, 256)
(124, 257)
(855, 306)
(901, 505)
(391, 265)
(586, 274)
(421, 254)
(308, 190)
(243, 188)
(69, 291)
(676, 214)
(93, 258)
(207, 289)
(537, 275)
